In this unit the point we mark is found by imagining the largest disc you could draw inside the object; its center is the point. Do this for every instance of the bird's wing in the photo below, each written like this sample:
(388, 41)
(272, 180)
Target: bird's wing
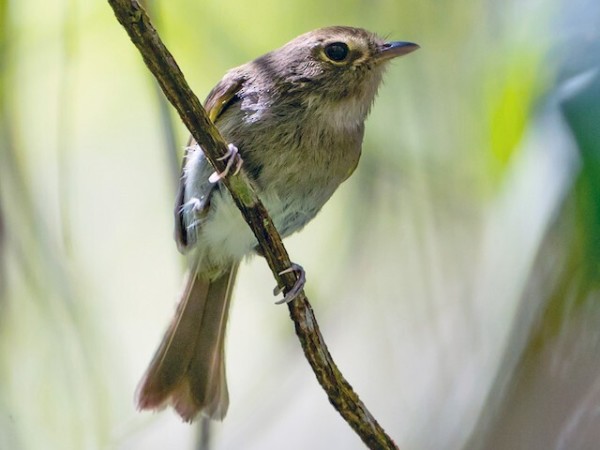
(188, 215)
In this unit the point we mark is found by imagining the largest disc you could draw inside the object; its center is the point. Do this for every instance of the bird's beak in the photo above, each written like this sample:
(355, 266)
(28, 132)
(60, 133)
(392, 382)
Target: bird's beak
(391, 50)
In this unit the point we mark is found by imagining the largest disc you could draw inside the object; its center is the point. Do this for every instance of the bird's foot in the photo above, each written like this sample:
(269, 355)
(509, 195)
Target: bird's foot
(298, 286)
(233, 157)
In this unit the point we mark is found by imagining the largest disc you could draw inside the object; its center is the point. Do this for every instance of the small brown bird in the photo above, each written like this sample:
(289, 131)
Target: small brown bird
(296, 116)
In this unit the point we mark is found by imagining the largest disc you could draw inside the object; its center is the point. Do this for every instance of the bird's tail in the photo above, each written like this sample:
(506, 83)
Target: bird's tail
(188, 369)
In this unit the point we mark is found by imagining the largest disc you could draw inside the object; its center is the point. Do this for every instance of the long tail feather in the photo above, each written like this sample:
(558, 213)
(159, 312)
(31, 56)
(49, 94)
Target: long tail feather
(188, 369)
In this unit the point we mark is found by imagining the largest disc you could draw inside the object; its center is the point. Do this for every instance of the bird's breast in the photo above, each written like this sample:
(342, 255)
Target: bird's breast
(295, 157)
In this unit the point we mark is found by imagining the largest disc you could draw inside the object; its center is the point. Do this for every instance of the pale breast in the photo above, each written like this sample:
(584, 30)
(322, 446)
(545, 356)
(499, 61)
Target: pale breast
(296, 160)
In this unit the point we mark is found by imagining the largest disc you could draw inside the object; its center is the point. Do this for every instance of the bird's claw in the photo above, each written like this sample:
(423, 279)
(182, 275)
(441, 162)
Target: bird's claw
(298, 286)
(233, 157)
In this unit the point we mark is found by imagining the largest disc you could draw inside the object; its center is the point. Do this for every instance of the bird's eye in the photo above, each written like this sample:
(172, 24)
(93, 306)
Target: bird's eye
(337, 51)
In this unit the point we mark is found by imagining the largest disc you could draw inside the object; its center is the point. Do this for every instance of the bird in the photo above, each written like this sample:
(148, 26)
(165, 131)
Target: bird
(295, 120)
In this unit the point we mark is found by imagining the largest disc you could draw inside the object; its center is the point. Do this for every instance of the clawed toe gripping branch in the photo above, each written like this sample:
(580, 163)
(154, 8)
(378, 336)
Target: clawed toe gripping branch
(171, 80)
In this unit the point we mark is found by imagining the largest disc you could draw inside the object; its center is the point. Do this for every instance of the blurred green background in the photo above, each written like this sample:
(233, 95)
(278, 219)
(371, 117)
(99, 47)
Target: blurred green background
(455, 275)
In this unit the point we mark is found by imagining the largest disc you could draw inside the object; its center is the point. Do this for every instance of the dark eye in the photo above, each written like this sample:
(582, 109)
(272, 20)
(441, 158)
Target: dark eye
(338, 51)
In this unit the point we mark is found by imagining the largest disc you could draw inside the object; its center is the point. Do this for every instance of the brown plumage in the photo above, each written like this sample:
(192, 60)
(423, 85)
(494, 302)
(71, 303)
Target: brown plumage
(297, 117)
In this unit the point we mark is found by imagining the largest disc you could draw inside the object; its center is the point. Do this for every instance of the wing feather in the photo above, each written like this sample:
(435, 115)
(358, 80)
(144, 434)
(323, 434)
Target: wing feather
(223, 95)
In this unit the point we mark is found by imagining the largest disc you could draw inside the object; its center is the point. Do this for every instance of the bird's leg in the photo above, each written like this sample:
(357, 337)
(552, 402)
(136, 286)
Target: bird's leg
(298, 286)
(233, 157)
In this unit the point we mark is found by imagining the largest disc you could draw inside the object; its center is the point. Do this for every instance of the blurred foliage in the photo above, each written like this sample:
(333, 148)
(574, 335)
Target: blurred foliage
(583, 114)
(455, 274)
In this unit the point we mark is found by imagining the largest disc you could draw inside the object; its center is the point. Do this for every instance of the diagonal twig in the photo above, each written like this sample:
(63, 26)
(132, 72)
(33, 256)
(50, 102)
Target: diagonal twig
(171, 80)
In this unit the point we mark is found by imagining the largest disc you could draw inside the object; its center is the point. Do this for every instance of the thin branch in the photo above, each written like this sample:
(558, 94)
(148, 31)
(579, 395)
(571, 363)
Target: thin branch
(162, 64)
